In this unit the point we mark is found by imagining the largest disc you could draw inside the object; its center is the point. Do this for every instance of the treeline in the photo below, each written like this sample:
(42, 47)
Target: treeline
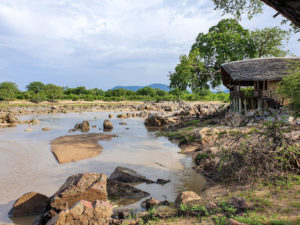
(37, 92)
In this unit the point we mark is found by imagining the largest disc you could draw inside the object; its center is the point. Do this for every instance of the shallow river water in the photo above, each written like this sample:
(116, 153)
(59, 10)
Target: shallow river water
(27, 164)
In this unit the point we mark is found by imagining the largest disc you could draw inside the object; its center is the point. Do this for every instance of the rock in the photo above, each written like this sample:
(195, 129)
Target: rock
(186, 197)
(211, 206)
(11, 118)
(84, 212)
(117, 189)
(206, 134)
(84, 126)
(239, 203)
(28, 130)
(162, 181)
(107, 125)
(156, 120)
(110, 116)
(123, 124)
(122, 116)
(30, 204)
(72, 130)
(295, 135)
(46, 128)
(87, 186)
(126, 175)
(149, 203)
(234, 222)
(251, 113)
(168, 108)
(35, 122)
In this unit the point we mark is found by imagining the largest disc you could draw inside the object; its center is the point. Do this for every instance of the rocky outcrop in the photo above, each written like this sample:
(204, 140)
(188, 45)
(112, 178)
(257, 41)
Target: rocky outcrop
(8, 120)
(155, 120)
(206, 134)
(107, 125)
(118, 190)
(84, 126)
(186, 197)
(87, 186)
(84, 212)
(234, 119)
(29, 204)
(126, 175)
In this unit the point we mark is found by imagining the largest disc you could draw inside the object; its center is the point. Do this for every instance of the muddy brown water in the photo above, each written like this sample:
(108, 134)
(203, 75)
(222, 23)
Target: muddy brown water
(27, 164)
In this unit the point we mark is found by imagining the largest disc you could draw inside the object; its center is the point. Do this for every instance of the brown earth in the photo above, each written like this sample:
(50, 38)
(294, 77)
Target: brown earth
(71, 148)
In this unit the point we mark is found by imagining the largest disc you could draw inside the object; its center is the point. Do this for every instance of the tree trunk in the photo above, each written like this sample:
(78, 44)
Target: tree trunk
(288, 8)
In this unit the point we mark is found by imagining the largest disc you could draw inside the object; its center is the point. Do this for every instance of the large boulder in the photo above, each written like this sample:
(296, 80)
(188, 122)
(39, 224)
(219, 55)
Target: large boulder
(84, 212)
(29, 204)
(186, 197)
(126, 175)
(84, 126)
(119, 190)
(206, 134)
(11, 118)
(155, 120)
(87, 186)
(107, 125)
(239, 203)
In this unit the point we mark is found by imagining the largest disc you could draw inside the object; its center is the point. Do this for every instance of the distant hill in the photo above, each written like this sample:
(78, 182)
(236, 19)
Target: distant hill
(135, 88)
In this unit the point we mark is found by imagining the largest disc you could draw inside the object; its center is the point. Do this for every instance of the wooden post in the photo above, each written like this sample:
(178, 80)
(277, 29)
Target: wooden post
(259, 103)
(245, 105)
(252, 103)
(240, 105)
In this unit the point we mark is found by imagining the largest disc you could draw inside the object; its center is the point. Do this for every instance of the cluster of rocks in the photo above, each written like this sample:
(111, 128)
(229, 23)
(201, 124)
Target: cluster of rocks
(186, 113)
(82, 199)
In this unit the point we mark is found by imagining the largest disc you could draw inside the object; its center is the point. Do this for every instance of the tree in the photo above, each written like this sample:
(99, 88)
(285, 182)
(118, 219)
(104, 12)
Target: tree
(227, 41)
(290, 87)
(53, 92)
(288, 8)
(36, 87)
(146, 91)
(8, 91)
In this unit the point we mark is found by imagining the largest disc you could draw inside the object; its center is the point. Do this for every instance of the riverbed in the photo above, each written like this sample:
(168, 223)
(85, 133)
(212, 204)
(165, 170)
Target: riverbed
(27, 163)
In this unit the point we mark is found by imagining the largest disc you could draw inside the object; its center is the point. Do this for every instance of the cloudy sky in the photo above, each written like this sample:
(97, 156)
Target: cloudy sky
(103, 43)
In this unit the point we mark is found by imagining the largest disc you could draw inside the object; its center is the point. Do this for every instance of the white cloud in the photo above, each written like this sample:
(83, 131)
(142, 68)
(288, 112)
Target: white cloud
(118, 36)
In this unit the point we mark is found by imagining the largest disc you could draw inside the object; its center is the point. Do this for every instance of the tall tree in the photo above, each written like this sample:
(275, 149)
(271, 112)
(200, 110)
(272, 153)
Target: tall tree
(53, 92)
(36, 87)
(8, 91)
(225, 42)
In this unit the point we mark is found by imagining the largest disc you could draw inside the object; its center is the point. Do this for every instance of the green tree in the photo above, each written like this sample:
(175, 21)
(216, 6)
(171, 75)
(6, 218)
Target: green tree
(252, 7)
(146, 91)
(36, 87)
(8, 91)
(227, 41)
(290, 87)
(53, 92)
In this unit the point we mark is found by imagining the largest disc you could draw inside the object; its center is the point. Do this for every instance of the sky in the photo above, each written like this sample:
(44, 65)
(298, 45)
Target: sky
(104, 43)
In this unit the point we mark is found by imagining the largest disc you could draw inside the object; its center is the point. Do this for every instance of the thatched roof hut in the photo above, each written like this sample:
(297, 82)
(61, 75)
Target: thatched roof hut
(245, 72)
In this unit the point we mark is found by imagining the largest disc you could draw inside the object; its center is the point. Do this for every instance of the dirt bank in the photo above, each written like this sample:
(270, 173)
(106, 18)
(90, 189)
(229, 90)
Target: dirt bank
(72, 148)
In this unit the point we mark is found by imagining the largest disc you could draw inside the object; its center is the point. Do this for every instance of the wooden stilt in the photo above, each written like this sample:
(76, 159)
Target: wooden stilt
(240, 105)
(245, 105)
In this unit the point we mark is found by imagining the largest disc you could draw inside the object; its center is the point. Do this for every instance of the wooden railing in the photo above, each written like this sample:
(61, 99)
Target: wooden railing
(256, 94)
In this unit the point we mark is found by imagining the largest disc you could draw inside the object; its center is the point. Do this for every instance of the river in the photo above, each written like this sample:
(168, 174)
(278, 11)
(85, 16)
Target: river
(27, 164)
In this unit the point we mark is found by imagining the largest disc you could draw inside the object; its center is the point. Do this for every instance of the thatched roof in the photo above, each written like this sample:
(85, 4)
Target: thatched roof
(262, 69)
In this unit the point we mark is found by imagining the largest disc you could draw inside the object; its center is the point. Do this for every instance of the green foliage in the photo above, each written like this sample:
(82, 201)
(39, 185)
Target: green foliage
(290, 87)
(239, 7)
(53, 92)
(225, 42)
(8, 91)
(36, 87)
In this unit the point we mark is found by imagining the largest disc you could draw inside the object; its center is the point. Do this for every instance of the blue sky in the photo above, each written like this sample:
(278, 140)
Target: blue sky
(104, 43)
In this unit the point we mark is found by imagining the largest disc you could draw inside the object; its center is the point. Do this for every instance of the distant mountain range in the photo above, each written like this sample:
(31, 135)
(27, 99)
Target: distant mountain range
(135, 88)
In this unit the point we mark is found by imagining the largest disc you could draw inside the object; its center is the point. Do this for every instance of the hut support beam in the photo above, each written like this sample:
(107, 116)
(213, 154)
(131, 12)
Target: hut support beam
(245, 105)
(240, 105)
(259, 104)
